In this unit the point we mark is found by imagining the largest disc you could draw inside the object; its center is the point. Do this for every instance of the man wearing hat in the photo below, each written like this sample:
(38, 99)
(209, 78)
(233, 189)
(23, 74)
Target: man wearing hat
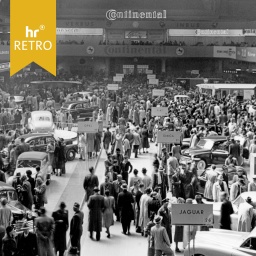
(117, 189)
(241, 175)
(219, 187)
(9, 245)
(252, 185)
(225, 212)
(90, 181)
(159, 239)
(236, 189)
(27, 242)
(245, 216)
(234, 149)
(61, 226)
(96, 206)
(76, 227)
(125, 203)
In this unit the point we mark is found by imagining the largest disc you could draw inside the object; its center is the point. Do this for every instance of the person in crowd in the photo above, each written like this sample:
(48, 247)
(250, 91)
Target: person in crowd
(83, 143)
(231, 161)
(90, 182)
(60, 158)
(96, 207)
(138, 196)
(134, 179)
(236, 189)
(108, 214)
(26, 191)
(9, 244)
(159, 238)
(172, 165)
(6, 216)
(50, 151)
(218, 188)
(61, 222)
(22, 147)
(40, 193)
(234, 150)
(126, 168)
(107, 185)
(136, 142)
(76, 228)
(252, 185)
(160, 180)
(154, 204)
(151, 223)
(245, 216)
(44, 226)
(211, 176)
(125, 203)
(226, 211)
(146, 180)
(31, 181)
(107, 139)
(26, 242)
(97, 143)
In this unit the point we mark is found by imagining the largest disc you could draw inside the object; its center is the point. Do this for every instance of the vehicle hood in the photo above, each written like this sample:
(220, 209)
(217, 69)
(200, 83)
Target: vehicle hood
(17, 207)
(194, 151)
(218, 237)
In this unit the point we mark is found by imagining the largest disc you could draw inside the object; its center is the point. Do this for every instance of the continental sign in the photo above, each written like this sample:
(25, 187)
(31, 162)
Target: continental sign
(239, 53)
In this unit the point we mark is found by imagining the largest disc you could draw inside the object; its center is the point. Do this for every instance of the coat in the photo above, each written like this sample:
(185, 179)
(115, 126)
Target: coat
(234, 149)
(235, 190)
(164, 185)
(177, 190)
(211, 178)
(144, 139)
(90, 182)
(27, 197)
(109, 206)
(107, 186)
(216, 191)
(26, 246)
(166, 221)
(44, 231)
(225, 211)
(124, 202)
(61, 227)
(96, 206)
(90, 142)
(97, 142)
(159, 239)
(9, 246)
(107, 137)
(76, 228)
(114, 115)
(144, 214)
(245, 216)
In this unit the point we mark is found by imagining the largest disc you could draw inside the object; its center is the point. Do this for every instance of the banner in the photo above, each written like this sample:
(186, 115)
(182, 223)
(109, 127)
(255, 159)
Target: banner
(246, 54)
(112, 87)
(33, 34)
(192, 214)
(224, 52)
(151, 76)
(89, 127)
(168, 137)
(159, 111)
(153, 81)
(117, 78)
(158, 93)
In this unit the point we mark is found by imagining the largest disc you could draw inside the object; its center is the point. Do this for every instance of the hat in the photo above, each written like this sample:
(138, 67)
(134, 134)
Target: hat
(157, 219)
(119, 176)
(164, 148)
(96, 189)
(198, 197)
(220, 177)
(166, 200)
(153, 194)
(62, 205)
(77, 205)
(240, 169)
(189, 201)
(254, 176)
(124, 186)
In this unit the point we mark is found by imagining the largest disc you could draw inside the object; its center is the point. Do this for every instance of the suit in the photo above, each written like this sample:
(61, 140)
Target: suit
(235, 191)
(147, 181)
(107, 186)
(163, 185)
(225, 211)
(117, 189)
(136, 143)
(76, 229)
(106, 139)
(90, 182)
(217, 189)
(245, 216)
(234, 149)
(26, 245)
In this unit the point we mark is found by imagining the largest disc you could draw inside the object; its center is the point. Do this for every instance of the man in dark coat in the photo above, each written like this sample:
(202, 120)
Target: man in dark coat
(27, 197)
(117, 189)
(225, 211)
(114, 116)
(107, 185)
(234, 149)
(96, 207)
(76, 227)
(90, 182)
(22, 147)
(31, 181)
(26, 243)
(124, 202)
(163, 184)
(61, 226)
(106, 139)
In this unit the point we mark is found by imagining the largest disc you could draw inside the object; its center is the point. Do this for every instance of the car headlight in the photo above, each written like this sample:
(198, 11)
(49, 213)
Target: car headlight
(74, 142)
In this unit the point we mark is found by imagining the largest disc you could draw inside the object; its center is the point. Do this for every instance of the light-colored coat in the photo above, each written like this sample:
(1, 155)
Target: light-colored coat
(245, 215)
(144, 219)
(234, 191)
(211, 179)
(216, 191)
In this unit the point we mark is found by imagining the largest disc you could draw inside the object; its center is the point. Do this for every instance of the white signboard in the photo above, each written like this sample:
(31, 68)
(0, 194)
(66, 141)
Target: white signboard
(121, 75)
(192, 214)
(88, 126)
(153, 81)
(157, 92)
(151, 76)
(248, 94)
(112, 87)
(149, 71)
(168, 137)
(117, 79)
(159, 111)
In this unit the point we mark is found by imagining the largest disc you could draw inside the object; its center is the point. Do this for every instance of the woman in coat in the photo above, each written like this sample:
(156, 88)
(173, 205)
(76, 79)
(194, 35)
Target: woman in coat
(144, 135)
(97, 142)
(119, 143)
(219, 187)
(59, 158)
(90, 144)
(40, 191)
(136, 117)
(61, 226)
(108, 115)
(27, 197)
(114, 116)
(109, 207)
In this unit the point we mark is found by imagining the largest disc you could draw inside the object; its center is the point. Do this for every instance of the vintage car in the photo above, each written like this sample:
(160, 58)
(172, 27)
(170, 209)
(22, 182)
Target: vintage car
(39, 141)
(29, 161)
(80, 95)
(209, 150)
(41, 121)
(79, 110)
(202, 177)
(221, 242)
(19, 211)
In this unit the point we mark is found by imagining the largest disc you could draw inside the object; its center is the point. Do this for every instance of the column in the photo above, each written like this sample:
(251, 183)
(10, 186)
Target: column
(107, 66)
(163, 66)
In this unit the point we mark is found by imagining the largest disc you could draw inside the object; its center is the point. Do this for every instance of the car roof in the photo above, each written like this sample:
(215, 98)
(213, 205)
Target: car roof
(214, 138)
(32, 155)
(33, 135)
(4, 186)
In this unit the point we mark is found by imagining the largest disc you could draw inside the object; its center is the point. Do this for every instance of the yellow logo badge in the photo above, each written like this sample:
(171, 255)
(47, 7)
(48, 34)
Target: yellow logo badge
(33, 34)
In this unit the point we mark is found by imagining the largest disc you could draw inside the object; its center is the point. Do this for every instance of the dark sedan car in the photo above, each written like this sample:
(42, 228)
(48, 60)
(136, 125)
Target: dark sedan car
(79, 110)
(39, 141)
(209, 150)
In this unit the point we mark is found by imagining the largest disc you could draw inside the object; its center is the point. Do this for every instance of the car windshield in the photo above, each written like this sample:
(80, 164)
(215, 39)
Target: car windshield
(205, 144)
(28, 163)
(43, 118)
(10, 195)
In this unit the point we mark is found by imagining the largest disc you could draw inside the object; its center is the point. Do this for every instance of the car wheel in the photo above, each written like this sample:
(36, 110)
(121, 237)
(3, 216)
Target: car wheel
(201, 165)
(71, 154)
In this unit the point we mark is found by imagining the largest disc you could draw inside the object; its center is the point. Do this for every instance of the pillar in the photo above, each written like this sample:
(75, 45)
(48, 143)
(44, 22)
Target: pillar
(252, 164)
(107, 66)
(220, 66)
(163, 66)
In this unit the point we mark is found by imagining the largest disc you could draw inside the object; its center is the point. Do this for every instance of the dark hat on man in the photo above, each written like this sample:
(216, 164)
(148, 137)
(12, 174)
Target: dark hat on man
(62, 205)
(96, 189)
(157, 219)
(77, 205)
(124, 186)
(166, 200)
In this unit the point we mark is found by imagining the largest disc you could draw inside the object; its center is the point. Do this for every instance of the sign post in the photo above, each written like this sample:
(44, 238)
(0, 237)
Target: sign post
(192, 214)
